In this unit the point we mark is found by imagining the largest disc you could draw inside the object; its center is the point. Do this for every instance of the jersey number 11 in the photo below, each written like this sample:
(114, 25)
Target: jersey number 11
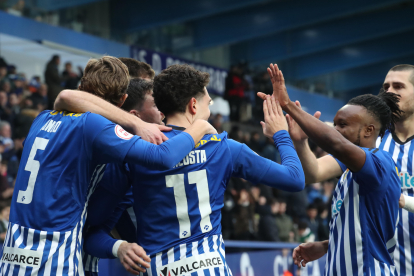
(177, 182)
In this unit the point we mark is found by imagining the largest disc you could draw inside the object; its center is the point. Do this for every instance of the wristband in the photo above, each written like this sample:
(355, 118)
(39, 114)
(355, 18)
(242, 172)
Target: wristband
(409, 203)
(116, 247)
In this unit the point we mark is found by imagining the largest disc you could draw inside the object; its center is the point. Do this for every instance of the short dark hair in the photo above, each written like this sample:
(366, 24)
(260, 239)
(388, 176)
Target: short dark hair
(383, 107)
(137, 90)
(176, 85)
(405, 67)
(138, 69)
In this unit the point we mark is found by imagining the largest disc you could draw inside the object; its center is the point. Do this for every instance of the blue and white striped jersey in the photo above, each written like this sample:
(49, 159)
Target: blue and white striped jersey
(123, 220)
(364, 218)
(402, 154)
(63, 159)
(60, 166)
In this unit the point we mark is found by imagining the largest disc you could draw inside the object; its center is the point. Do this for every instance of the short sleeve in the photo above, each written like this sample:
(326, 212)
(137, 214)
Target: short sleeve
(106, 141)
(342, 165)
(375, 169)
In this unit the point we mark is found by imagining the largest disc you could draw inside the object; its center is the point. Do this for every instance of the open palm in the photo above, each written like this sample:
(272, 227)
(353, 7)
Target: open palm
(278, 83)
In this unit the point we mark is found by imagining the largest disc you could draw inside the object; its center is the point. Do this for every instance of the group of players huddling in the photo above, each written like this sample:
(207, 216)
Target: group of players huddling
(88, 189)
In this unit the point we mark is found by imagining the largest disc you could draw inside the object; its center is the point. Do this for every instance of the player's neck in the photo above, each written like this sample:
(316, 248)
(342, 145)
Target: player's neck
(180, 120)
(404, 129)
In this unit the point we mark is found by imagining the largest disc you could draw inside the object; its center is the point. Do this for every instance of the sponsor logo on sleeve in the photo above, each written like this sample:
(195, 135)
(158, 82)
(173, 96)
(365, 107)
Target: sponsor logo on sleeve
(191, 264)
(22, 257)
(122, 133)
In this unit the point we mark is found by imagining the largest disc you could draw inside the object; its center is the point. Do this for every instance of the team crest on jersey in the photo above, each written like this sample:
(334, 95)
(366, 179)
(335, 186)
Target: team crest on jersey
(122, 133)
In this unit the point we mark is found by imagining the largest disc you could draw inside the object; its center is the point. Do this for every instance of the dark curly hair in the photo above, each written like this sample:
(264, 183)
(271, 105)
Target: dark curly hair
(175, 86)
(383, 107)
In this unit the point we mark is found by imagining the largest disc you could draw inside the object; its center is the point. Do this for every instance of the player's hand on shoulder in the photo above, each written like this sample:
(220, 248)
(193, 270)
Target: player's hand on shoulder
(295, 132)
(133, 257)
(151, 132)
(274, 118)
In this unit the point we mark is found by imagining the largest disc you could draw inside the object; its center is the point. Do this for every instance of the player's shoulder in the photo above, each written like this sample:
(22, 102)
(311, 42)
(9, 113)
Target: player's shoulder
(213, 140)
(380, 155)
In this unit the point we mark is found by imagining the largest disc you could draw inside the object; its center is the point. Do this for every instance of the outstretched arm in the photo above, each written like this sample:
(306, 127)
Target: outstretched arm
(316, 170)
(81, 102)
(287, 176)
(323, 135)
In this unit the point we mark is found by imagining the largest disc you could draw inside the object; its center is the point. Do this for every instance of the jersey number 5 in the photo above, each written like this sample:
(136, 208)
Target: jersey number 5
(32, 166)
(177, 182)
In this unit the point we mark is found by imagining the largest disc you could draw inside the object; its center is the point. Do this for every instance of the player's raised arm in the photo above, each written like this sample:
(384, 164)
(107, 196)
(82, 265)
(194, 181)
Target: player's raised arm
(111, 144)
(287, 176)
(316, 170)
(323, 135)
(79, 101)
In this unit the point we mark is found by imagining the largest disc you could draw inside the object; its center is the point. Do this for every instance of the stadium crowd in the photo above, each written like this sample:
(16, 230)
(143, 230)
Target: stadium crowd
(251, 212)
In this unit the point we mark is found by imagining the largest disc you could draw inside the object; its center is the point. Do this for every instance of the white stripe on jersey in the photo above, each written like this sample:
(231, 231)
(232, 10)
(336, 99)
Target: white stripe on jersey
(357, 223)
(403, 157)
(53, 245)
(211, 245)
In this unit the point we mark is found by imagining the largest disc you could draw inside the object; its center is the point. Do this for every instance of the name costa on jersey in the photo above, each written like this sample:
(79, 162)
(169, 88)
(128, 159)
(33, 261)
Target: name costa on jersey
(194, 157)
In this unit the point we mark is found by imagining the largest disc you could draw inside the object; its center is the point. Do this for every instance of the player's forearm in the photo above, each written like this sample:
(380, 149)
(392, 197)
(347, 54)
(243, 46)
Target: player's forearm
(81, 102)
(326, 137)
(164, 156)
(289, 175)
(99, 243)
(308, 160)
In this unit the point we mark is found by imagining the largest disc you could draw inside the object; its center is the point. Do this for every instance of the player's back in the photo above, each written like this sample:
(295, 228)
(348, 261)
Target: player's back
(183, 204)
(49, 200)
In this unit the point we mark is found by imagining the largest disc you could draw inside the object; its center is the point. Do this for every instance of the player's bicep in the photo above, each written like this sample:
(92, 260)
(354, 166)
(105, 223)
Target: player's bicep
(246, 163)
(328, 168)
(352, 156)
(109, 142)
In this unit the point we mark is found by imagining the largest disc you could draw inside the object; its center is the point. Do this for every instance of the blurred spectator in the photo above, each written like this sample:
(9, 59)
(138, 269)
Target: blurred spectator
(267, 229)
(39, 99)
(53, 80)
(296, 204)
(312, 219)
(256, 143)
(314, 192)
(70, 78)
(244, 227)
(284, 223)
(3, 73)
(323, 220)
(6, 86)
(34, 84)
(234, 93)
(4, 221)
(305, 233)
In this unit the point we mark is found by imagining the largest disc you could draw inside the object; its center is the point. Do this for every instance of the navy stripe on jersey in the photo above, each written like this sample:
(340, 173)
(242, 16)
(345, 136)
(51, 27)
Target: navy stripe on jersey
(209, 244)
(402, 154)
(347, 253)
(60, 250)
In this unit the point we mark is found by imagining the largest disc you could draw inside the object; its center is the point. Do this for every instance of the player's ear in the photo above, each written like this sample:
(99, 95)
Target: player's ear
(135, 113)
(123, 98)
(192, 106)
(369, 130)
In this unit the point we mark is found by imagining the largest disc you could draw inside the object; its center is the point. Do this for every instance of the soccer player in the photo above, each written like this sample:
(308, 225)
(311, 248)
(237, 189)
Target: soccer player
(140, 103)
(63, 158)
(365, 201)
(179, 210)
(400, 80)
(138, 69)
